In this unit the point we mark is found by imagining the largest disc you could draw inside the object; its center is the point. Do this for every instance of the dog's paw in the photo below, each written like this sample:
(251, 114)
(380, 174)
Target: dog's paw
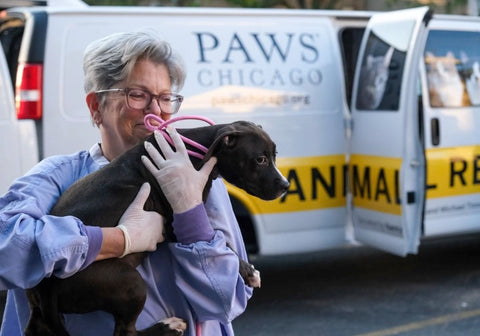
(254, 280)
(175, 324)
(171, 326)
(249, 274)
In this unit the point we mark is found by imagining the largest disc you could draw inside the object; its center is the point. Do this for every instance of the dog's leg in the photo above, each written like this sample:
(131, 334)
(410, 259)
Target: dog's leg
(172, 326)
(45, 318)
(36, 325)
(111, 285)
(114, 286)
(250, 275)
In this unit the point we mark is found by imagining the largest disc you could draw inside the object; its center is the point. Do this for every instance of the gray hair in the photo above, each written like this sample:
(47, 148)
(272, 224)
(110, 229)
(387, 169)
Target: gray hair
(110, 60)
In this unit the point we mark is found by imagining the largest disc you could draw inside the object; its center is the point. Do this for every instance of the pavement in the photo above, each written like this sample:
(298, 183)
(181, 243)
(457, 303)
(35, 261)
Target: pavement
(364, 292)
(359, 291)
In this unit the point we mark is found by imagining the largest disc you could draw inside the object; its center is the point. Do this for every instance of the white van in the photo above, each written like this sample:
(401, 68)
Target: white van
(18, 147)
(399, 165)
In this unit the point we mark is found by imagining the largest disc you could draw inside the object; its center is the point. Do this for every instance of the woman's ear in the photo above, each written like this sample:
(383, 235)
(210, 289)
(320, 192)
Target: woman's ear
(93, 105)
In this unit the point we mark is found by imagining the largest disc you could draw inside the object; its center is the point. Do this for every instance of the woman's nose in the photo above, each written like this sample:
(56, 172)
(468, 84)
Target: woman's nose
(165, 116)
(154, 108)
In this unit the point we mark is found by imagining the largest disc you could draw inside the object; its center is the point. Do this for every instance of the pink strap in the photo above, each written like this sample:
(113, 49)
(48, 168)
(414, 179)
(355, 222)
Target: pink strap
(162, 124)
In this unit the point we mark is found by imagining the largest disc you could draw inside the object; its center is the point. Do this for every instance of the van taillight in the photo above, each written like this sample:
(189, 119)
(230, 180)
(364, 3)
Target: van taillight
(28, 91)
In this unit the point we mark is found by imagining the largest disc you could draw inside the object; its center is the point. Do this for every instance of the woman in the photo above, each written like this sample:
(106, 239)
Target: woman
(127, 75)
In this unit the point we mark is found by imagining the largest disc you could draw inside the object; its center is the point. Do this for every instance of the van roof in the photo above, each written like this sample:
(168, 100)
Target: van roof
(5, 4)
(22, 3)
(63, 8)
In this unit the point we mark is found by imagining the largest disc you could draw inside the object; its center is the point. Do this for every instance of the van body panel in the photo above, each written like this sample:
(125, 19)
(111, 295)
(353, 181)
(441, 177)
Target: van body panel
(283, 68)
(18, 145)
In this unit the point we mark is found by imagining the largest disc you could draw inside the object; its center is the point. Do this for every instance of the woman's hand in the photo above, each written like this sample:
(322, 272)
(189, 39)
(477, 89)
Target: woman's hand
(181, 183)
(142, 230)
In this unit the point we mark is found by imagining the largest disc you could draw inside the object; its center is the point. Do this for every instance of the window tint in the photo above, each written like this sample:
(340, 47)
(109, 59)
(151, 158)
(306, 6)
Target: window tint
(11, 32)
(452, 61)
(380, 76)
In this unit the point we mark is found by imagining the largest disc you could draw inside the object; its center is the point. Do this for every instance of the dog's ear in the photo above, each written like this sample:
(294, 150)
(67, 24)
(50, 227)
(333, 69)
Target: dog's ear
(213, 149)
(226, 137)
(224, 140)
(229, 140)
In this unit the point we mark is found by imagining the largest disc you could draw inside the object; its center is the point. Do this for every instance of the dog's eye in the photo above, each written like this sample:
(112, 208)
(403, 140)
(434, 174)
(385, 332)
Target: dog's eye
(262, 160)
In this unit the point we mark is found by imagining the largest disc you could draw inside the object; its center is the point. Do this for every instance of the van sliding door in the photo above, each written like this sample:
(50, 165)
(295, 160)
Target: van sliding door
(386, 161)
(451, 64)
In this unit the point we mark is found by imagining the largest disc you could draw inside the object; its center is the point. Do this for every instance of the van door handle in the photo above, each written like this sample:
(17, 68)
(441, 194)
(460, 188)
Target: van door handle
(435, 130)
(414, 163)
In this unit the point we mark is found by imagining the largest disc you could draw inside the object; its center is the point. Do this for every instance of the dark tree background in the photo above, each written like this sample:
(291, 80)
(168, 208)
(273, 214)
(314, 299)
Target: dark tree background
(448, 6)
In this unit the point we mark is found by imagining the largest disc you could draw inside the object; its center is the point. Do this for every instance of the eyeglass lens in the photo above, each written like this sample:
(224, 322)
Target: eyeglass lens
(139, 99)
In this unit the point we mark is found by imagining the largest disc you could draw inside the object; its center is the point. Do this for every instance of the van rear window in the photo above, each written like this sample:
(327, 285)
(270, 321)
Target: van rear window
(452, 61)
(11, 32)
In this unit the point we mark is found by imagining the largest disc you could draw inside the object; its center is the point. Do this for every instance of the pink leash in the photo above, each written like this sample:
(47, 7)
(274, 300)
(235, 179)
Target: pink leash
(198, 331)
(162, 124)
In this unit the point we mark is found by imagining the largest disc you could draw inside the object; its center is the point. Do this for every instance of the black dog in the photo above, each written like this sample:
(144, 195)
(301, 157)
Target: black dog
(245, 157)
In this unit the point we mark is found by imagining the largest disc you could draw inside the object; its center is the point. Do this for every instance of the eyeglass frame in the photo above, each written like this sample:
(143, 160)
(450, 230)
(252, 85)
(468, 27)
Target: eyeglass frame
(125, 91)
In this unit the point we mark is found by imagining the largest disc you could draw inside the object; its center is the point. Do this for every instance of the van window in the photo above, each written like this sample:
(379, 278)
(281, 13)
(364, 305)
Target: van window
(452, 62)
(381, 72)
(11, 32)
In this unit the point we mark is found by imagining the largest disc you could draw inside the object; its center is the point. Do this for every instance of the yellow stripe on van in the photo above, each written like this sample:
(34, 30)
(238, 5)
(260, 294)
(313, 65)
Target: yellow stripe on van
(316, 182)
(375, 182)
(320, 182)
(453, 171)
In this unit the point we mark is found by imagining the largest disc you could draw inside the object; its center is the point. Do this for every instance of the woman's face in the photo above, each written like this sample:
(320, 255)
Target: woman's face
(122, 127)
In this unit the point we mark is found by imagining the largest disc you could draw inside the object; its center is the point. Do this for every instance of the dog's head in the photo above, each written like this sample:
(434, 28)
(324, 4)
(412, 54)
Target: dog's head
(246, 159)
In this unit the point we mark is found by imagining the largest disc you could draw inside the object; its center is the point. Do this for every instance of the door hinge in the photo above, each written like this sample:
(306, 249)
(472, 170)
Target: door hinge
(410, 197)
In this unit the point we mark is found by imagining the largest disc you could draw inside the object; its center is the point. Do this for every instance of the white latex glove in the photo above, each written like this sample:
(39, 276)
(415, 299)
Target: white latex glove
(143, 230)
(181, 183)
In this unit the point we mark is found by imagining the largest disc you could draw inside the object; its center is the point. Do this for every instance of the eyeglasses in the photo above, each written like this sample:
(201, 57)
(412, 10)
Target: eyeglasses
(141, 99)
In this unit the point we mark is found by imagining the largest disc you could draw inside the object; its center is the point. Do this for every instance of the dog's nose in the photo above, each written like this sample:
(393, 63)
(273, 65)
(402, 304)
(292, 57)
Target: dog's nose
(284, 185)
